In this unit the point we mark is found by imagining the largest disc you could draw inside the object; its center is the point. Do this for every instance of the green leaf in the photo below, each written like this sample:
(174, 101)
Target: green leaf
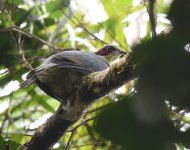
(15, 2)
(122, 125)
(13, 145)
(2, 143)
(117, 8)
(163, 69)
(181, 147)
(19, 138)
(44, 103)
(55, 8)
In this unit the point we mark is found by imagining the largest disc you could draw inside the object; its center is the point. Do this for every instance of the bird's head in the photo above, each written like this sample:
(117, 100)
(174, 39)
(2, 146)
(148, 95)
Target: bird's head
(110, 52)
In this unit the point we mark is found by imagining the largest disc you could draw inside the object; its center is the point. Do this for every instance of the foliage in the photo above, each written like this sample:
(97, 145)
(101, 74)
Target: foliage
(12, 145)
(150, 113)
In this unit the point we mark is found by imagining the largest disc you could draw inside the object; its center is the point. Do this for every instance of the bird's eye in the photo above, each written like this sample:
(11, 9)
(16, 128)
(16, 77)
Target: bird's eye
(110, 49)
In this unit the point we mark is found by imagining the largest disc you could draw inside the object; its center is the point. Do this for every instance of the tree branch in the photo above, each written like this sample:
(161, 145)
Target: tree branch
(29, 35)
(95, 86)
(152, 16)
(4, 7)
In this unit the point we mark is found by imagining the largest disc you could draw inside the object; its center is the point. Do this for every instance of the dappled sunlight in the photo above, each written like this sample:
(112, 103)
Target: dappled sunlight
(9, 88)
(142, 100)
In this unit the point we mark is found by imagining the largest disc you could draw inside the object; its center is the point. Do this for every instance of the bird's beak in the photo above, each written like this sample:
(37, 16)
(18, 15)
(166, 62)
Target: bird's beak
(122, 53)
(114, 55)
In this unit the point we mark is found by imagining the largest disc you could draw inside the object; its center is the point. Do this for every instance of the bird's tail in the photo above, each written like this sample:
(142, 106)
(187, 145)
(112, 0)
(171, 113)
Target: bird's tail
(28, 82)
(30, 79)
(32, 75)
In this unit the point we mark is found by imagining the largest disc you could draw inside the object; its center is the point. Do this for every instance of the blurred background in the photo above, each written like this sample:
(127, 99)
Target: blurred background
(148, 113)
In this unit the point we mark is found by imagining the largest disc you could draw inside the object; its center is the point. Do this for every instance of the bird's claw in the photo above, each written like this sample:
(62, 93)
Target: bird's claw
(72, 113)
(69, 113)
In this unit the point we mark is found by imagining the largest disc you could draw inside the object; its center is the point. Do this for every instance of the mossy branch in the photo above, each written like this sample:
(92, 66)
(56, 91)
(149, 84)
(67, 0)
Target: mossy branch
(95, 86)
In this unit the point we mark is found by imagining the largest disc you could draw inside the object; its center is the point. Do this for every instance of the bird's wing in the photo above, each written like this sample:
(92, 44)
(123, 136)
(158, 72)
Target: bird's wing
(73, 63)
(80, 61)
(32, 75)
(75, 60)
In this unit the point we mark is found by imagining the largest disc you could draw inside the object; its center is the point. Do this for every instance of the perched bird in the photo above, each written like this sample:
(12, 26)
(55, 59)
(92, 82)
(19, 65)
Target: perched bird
(61, 74)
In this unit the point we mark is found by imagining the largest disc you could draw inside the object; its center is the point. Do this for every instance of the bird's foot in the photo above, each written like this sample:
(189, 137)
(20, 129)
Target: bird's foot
(71, 113)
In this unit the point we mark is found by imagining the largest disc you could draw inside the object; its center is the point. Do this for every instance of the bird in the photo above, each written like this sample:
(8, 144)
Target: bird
(61, 74)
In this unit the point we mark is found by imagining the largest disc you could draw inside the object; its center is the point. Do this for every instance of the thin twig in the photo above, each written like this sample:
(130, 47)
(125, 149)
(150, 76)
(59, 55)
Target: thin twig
(97, 143)
(17, 133)
(74, 130)
(4, 72)
(97, 109)
(90, 132)
(112, 36)
(21, 53)
(8, 116)
(81, 25)
(87, 31)
(82, 123)
(17, 29)
(69, 141)
(152, 16)
(95, 37)
(4, 7)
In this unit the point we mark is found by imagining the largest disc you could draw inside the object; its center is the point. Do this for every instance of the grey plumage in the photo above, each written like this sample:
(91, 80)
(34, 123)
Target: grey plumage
(61, 73)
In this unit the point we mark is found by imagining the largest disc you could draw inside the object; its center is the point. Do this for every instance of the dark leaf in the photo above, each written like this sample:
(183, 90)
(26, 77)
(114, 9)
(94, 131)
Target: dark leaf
(122, 124)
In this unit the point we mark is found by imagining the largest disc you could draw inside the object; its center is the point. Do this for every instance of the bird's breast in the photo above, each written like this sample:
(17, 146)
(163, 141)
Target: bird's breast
(62, 82)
